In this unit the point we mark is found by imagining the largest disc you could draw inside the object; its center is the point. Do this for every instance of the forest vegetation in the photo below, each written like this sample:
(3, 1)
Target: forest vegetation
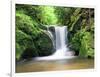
(32, 22)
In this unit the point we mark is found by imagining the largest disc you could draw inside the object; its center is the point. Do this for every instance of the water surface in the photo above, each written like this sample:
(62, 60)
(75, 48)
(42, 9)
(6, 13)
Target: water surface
(54, 65)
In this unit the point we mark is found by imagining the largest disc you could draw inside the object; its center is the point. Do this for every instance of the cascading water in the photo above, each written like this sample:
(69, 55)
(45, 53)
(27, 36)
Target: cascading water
(62, 51)
(61, 47)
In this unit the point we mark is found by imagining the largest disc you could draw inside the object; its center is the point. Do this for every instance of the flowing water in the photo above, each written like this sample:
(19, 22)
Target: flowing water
(62, 59)
(62, 51)
(61, 48)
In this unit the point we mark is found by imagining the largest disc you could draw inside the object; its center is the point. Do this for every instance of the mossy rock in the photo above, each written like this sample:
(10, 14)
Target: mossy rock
(29, 53)
(44, 45)
(52, 30)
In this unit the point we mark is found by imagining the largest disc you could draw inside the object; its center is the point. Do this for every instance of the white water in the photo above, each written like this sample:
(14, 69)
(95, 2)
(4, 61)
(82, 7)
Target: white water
(62, 51)
(61, 47)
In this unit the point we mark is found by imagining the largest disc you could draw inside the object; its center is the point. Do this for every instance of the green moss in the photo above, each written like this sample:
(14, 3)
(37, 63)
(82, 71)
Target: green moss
(32, 20)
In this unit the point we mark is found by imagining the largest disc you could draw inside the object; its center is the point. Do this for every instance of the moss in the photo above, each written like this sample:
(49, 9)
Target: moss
(32, 21)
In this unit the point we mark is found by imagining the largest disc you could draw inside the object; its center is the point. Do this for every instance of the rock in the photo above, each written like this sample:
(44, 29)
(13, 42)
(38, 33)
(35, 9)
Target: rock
(44, 45)
(29, 53)
(52, 30)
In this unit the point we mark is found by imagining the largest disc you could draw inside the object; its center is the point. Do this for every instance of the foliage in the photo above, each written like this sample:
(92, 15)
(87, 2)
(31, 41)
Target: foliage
(47, 15)
(82, 32)
(26, 32)
(32, 22)
(63, 15)
(83, 42)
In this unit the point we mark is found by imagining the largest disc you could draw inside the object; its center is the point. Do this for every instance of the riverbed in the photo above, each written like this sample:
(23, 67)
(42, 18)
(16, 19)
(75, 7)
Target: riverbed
(54, 65)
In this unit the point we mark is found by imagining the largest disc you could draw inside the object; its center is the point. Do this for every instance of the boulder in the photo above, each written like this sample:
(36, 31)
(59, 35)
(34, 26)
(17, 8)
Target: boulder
(52, 30)
(44, 45)
(29, 53)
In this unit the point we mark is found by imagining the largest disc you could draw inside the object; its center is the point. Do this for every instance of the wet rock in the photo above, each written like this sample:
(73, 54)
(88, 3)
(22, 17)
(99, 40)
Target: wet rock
(52, 30)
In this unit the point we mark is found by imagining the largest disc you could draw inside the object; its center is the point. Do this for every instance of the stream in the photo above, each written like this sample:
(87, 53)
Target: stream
(54, 65)
(62, 59)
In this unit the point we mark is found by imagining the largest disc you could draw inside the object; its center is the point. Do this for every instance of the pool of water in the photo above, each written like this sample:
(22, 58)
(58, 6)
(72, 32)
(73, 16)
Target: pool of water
(54, 65)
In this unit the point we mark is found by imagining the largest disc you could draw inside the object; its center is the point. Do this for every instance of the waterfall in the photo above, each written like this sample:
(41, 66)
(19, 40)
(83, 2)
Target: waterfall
(61, 47)
(62, 51)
